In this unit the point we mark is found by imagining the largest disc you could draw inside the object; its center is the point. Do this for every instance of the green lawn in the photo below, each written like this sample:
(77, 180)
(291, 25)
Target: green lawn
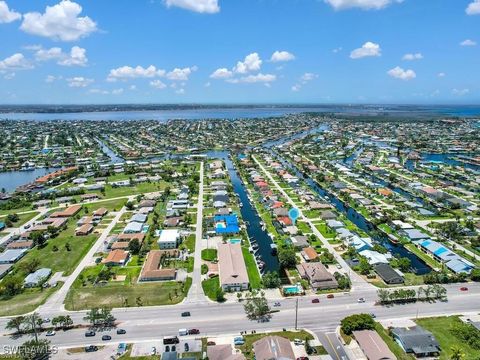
(209, 254)
(325, 230)
(441, 329)
(189, 243)
(121, 295)
(110, 205)
(25, 302)
(427, 259)
(252, 270)
(210, 287)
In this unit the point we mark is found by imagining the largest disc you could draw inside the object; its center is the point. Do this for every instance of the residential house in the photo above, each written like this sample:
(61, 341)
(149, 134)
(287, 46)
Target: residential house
(169, 239)
(273, 347)
(373, 346)
(317, 275)
(388, 274)
(417, 341)
(37, 278)
(116, 258)
(223, 352)
(231, 268)
(152, 270)
(11, 256)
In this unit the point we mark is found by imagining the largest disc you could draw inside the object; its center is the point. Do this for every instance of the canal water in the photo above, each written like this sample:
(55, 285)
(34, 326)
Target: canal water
(12, 179)
(418, 266)
(249, 214)
(114, 158)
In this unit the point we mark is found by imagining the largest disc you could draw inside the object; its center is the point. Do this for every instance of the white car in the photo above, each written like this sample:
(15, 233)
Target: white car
(50, 333)
(298, 342)
(361, 300)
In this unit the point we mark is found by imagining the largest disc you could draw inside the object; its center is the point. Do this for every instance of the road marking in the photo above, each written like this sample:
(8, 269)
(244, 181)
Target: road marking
(333, 347)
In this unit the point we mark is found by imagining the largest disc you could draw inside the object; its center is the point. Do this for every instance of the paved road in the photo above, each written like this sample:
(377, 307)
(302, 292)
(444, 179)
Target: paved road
(150, 323)
(332, 344)
(195, 295)
(56, 301)
(21, 229)
(357, 281)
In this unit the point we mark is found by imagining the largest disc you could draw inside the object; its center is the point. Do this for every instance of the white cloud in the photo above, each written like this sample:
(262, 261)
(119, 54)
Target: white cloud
(178, 74)
(59, 22)
(128, 72)
(180, 91)
(222, 73)
(308, 77)
(157, 84)
(258, 78)
(402, 74)
(79, 81)
(468, 42)
(9, 76)
(77, 56)
(362, 4)
(207, 84)
(98, 91)
(367, 49)
(50, 78)
(117, 91)
(411, 57)
(460, 92)
(15, 62)
(200, 6)
(296, 87)
(441, 74)
(337, 50)
(252, 62)
(280, 56)
(473, 8)
(7, 15)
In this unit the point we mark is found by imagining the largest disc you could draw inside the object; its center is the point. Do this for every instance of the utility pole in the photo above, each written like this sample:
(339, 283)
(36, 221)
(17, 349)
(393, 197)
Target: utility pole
(296, 314)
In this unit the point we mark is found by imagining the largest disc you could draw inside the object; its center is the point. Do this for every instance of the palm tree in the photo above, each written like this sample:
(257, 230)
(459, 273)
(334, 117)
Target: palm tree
(383, 295)
(427, 291)
(15, 323)
(457, 353)
(420, 290)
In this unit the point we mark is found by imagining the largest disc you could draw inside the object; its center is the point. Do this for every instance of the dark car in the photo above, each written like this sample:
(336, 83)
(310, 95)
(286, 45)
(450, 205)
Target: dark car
(187, 347)
(330, 296)
(170, 340)
(211, 343)
(106, 337)
(464, 288)
(90, 333)
(193, 331)
(91, 348)
(302, 358)
(185, 313)
(121, 331)
(316, 300)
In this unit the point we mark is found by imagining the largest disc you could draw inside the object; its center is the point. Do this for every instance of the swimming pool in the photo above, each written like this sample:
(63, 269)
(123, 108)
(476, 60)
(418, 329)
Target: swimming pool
(235, 241)
(292, 289)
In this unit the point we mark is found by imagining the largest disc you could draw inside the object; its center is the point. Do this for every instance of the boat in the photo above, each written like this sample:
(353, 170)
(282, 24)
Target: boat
(274, 249)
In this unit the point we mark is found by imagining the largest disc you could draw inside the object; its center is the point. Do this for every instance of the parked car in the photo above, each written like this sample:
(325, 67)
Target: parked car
(121, 331)
(89, 333)
(187, 347)
(302, 358)
(330, 296)
(170, 340)
(91, 348)
(153, 351)
(298, 342)
(361, 300)
(106, 337)
(50, 333)
(193, 332)
(277, 304)
(464, 288)
(315, 301)
(46, 320)
(211, 343)
(185, 313)
(373, 315)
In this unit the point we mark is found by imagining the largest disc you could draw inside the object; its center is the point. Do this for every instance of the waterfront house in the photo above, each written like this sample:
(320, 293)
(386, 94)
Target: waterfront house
(231, 268)
(388, 274)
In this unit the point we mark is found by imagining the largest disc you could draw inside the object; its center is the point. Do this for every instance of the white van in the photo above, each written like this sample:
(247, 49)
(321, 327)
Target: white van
(182, 332)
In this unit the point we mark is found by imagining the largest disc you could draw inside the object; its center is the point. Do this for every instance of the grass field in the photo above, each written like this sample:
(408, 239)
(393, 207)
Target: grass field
(121, 295)
(25, 302)
(209, 254)
(252, 270)
(210, 287)
(441, 329)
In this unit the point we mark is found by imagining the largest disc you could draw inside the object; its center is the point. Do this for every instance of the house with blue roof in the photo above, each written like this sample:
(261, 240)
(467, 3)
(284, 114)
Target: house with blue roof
(226, 224)
(2, 225)
(439, 252)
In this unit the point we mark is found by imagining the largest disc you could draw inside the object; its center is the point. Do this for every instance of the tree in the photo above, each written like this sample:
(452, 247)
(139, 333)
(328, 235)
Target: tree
(134, 246)
(256, 306)
(475, 275)
(457, 353)
(357, 322)
(34, 349)
(271, 280)
(363, 266)
(30, 266)
(11, 286)
(404, 264)
(129, 205)
(383, 295)
(287, 257)
(15, 323)
(32, 323)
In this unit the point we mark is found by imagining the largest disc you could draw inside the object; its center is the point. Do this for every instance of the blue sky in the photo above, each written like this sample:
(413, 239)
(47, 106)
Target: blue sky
(240, 51)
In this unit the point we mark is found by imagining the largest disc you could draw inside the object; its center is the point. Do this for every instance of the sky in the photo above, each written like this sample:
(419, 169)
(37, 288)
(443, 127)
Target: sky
(240, 51)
